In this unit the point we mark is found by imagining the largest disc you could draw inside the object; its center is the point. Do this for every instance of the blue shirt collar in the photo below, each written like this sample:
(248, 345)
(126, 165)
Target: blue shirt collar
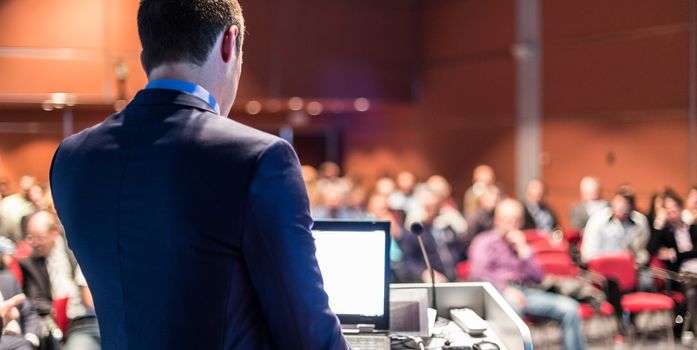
(185, 87)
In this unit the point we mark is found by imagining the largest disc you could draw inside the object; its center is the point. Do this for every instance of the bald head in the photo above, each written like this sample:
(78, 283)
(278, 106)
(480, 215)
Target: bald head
(42, 232)
(508, 216)
(590, 188)
(483, 174)
(534, 191)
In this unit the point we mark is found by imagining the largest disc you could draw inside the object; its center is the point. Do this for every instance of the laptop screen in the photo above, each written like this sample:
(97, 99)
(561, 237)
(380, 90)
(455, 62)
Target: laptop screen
(353, 257)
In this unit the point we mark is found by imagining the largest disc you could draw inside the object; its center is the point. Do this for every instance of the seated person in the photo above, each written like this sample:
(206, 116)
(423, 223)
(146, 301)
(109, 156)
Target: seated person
(379, 210)
(483, 176)
(52, 273)
(442, 242)
(482, 218)
(22, 333)
(333, 203)
(591, 202)
(538, 215)
(675, 244)
(619, 228)
(9, 229)
(689, 214)
(501, 256)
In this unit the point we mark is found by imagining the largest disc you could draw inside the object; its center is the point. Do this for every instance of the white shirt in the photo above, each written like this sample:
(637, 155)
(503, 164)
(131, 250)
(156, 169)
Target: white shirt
(64, 281)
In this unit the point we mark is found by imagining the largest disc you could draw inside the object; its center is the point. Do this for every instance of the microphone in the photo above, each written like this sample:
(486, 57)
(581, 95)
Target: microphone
(417, 229)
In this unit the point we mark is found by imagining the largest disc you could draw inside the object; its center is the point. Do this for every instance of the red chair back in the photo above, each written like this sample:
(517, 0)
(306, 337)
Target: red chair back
(619, 266)
(462, 269)
(24, 250)
(557, 264)
(60, 306)
(545, 245)
(573, 235)
(16, 271)
(533, 235)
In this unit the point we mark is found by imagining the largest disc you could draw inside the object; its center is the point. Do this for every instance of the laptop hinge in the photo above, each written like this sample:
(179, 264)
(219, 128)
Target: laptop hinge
(358, 328)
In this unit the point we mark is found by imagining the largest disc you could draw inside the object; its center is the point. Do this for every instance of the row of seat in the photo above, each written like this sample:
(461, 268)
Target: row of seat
(554, 257)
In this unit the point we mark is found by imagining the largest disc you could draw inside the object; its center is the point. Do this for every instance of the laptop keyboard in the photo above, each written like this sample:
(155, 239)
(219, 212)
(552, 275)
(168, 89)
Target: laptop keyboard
(368, 342)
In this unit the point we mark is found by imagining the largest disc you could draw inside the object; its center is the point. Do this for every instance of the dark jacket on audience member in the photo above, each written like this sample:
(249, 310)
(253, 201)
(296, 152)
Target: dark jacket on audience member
(28, 319)
(530, 221)
(665, 238)
(37, 285)
(481, 221)
(192, 230)
(444, 252)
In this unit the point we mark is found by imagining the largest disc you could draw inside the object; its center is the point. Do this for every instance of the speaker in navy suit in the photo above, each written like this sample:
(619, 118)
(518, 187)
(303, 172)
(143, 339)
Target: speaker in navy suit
(192, 230)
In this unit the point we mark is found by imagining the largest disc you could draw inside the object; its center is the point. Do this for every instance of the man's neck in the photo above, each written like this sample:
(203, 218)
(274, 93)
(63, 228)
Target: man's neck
(187, 72)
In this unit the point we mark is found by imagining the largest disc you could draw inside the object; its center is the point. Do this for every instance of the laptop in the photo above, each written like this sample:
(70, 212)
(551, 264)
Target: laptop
(354, 258)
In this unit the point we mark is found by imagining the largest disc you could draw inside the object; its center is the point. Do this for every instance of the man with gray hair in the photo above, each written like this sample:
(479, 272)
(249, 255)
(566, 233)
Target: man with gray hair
(591, 202)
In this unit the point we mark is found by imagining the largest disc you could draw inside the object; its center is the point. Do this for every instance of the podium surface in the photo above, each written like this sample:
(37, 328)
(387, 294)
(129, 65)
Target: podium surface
(505, 327)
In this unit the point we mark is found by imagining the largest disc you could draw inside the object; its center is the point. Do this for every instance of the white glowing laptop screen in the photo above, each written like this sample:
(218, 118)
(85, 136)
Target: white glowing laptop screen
(353, 257)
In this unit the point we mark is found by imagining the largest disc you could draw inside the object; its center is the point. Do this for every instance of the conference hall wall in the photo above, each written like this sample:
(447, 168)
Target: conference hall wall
(439, 74)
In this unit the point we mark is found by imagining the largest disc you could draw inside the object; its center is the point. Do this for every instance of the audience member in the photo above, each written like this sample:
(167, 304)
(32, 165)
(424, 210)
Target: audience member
(689, 214)
(619, 228)
(356, 202)
(332, 203)
(439, 185)
(52, 273)
(483, 217)
(4, 188)
(10, 229)
(501, 256)
(443, 244)
(8, 309)
(448, 213)
(384, 186)
(310, 177)
(655, 216)
(403, 198)
(379, 210)
(482, 177)
(591, 202)
(538, 215)
(20, 204)
(22, 333)
(675, 245)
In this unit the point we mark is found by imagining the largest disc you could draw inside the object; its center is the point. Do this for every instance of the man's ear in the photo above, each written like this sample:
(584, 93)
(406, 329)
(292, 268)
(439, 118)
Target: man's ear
(227, 47)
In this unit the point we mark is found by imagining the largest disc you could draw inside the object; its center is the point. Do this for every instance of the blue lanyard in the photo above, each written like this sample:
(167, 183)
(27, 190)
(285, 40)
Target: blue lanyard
(185, 87)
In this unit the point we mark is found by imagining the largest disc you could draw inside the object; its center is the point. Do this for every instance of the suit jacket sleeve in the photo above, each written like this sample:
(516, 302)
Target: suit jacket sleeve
(279, 251)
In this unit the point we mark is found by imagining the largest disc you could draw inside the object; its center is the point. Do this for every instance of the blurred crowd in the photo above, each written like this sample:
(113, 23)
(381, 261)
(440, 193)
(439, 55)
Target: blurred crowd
(488, 236)
(58, 312)
(484, 236)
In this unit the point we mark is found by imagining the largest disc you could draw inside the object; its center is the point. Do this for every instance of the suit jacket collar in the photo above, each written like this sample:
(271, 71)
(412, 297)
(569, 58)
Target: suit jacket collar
(167, 97)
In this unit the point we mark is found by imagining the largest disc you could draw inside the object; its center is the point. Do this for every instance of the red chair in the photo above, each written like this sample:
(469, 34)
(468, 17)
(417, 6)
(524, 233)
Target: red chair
(597, 324)
(24, 250)
(545, 245)
(572, 236)
(16, 271)
(60, 308)
(533, 235)
(462, 270)
(620, 267)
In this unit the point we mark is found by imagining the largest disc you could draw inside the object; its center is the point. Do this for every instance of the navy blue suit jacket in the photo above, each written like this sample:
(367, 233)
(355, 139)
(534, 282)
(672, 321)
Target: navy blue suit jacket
(192, 231)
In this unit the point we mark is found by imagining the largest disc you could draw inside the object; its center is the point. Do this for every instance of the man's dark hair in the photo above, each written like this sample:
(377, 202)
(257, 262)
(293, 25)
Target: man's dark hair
(627, 193)
(670, 193)
(185, 30)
